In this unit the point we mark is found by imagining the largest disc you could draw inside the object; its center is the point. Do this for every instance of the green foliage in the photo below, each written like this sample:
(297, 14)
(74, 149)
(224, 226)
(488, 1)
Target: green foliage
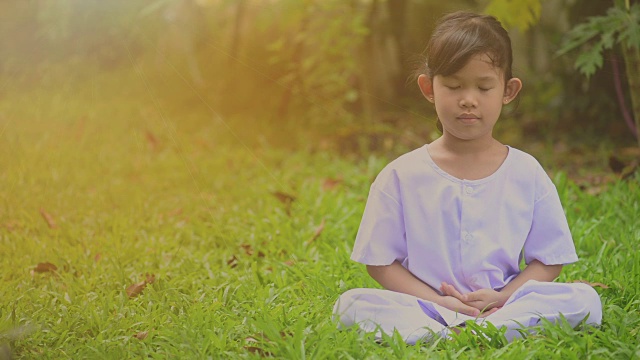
(600, 33)
(143, 181)
(521, 14)
(315, 49)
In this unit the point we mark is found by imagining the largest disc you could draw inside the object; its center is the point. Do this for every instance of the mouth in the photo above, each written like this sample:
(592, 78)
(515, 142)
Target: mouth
(468, 118)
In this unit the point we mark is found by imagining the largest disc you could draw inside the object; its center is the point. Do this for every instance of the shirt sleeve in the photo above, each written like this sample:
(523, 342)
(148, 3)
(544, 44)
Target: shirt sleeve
(381, 237)
(549, 240)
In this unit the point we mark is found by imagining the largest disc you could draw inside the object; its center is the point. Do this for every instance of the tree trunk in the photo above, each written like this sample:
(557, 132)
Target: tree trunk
(632, 64)
(235, 35)
(368, 73)
(298, 82)
(397, 10)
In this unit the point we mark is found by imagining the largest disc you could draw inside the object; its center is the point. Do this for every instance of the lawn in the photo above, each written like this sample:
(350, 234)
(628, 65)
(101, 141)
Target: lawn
(137, 224)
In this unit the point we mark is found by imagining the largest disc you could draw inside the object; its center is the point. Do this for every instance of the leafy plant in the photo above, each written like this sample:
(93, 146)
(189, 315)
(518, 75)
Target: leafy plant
(316, 54)
(520, 14)
(619, 26)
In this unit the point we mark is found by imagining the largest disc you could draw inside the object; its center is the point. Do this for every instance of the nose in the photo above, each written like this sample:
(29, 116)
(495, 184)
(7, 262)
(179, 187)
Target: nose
(468, 101)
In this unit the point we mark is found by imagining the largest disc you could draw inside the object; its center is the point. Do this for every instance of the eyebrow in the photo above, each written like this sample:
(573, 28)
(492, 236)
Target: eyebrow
(481, 78)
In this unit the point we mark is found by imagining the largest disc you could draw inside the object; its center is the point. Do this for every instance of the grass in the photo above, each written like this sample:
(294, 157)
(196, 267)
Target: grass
(138, 182)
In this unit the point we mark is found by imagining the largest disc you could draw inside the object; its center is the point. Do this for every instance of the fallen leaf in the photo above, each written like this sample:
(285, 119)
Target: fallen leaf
(136, 289)
(149, 278)
(331, 183)
(141, 335)
(48, 218)
(317, 233)
(248, 249)
(12, 225)
(233, 261)
(152, 140)
(45, 267)
(592, 284)
(255, 349)
(98, 257)
(286, 199)
(289, 262)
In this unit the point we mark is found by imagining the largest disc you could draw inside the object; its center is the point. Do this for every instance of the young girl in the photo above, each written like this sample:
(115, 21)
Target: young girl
(446, 225)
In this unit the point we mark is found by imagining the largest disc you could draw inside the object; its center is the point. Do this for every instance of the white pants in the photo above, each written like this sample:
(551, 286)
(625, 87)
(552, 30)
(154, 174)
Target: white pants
(383, 310)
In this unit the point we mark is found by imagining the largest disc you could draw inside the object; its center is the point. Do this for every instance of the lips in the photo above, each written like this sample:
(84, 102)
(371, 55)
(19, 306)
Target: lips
(468, 118)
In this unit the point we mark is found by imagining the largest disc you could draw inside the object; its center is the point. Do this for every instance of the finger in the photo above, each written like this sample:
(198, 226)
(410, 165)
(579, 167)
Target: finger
(469, 310)
(487, 313)
(462, 308)
(456, 305)
(474, 296)
(476, 305)
(447, 289)
(443, 288)
(455, 293)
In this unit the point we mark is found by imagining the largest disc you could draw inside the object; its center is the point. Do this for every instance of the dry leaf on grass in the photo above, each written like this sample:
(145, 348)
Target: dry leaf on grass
(141, 335)
(286, 199)
(289, 262)
(233, 261)
(248, 249)
(152, 140)
(252, 343)
(48, 218)
(254, 349)
(331, 183)
(317, 233)
(45, 267)
(592, 284)
(137, 288)
(12, 225)
(149, 278)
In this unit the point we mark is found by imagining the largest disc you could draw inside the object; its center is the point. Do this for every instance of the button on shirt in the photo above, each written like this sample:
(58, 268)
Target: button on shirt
(469, 233)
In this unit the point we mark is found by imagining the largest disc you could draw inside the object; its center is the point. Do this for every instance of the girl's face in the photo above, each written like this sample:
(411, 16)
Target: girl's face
(469, 102)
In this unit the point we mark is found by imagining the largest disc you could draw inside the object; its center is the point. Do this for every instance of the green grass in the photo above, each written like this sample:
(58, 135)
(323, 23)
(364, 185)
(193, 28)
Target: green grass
(140, 179)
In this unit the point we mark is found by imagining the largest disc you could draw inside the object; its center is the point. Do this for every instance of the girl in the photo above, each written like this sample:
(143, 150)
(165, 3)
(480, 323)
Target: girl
(446, 225)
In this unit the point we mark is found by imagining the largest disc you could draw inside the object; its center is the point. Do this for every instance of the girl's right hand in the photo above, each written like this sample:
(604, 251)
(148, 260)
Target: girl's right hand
(456, 305)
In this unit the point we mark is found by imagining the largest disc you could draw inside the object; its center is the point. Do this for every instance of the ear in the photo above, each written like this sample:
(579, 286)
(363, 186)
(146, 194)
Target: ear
(426, 87)
(511, 90)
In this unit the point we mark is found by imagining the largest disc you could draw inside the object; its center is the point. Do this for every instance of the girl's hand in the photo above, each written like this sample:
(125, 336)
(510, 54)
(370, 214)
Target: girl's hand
(487, 301)
(456, 305)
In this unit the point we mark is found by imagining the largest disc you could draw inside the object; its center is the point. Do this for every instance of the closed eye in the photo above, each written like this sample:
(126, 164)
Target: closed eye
(452, 87)
(484, 89)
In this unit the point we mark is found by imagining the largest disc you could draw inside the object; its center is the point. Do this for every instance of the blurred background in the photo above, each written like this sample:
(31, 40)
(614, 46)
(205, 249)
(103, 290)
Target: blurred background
(323, 75)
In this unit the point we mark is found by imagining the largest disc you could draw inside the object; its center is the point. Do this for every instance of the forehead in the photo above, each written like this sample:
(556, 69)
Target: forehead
(480, 68)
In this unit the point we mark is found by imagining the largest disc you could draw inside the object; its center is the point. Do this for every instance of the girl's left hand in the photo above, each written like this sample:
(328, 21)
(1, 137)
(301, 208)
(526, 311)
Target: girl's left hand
(486, 300)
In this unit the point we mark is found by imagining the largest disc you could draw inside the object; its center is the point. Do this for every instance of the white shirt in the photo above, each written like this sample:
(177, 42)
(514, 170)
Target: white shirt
(469, 233)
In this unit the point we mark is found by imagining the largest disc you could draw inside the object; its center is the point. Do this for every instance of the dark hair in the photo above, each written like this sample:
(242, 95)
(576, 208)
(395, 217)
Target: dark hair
(462, 35)
(457, 38)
